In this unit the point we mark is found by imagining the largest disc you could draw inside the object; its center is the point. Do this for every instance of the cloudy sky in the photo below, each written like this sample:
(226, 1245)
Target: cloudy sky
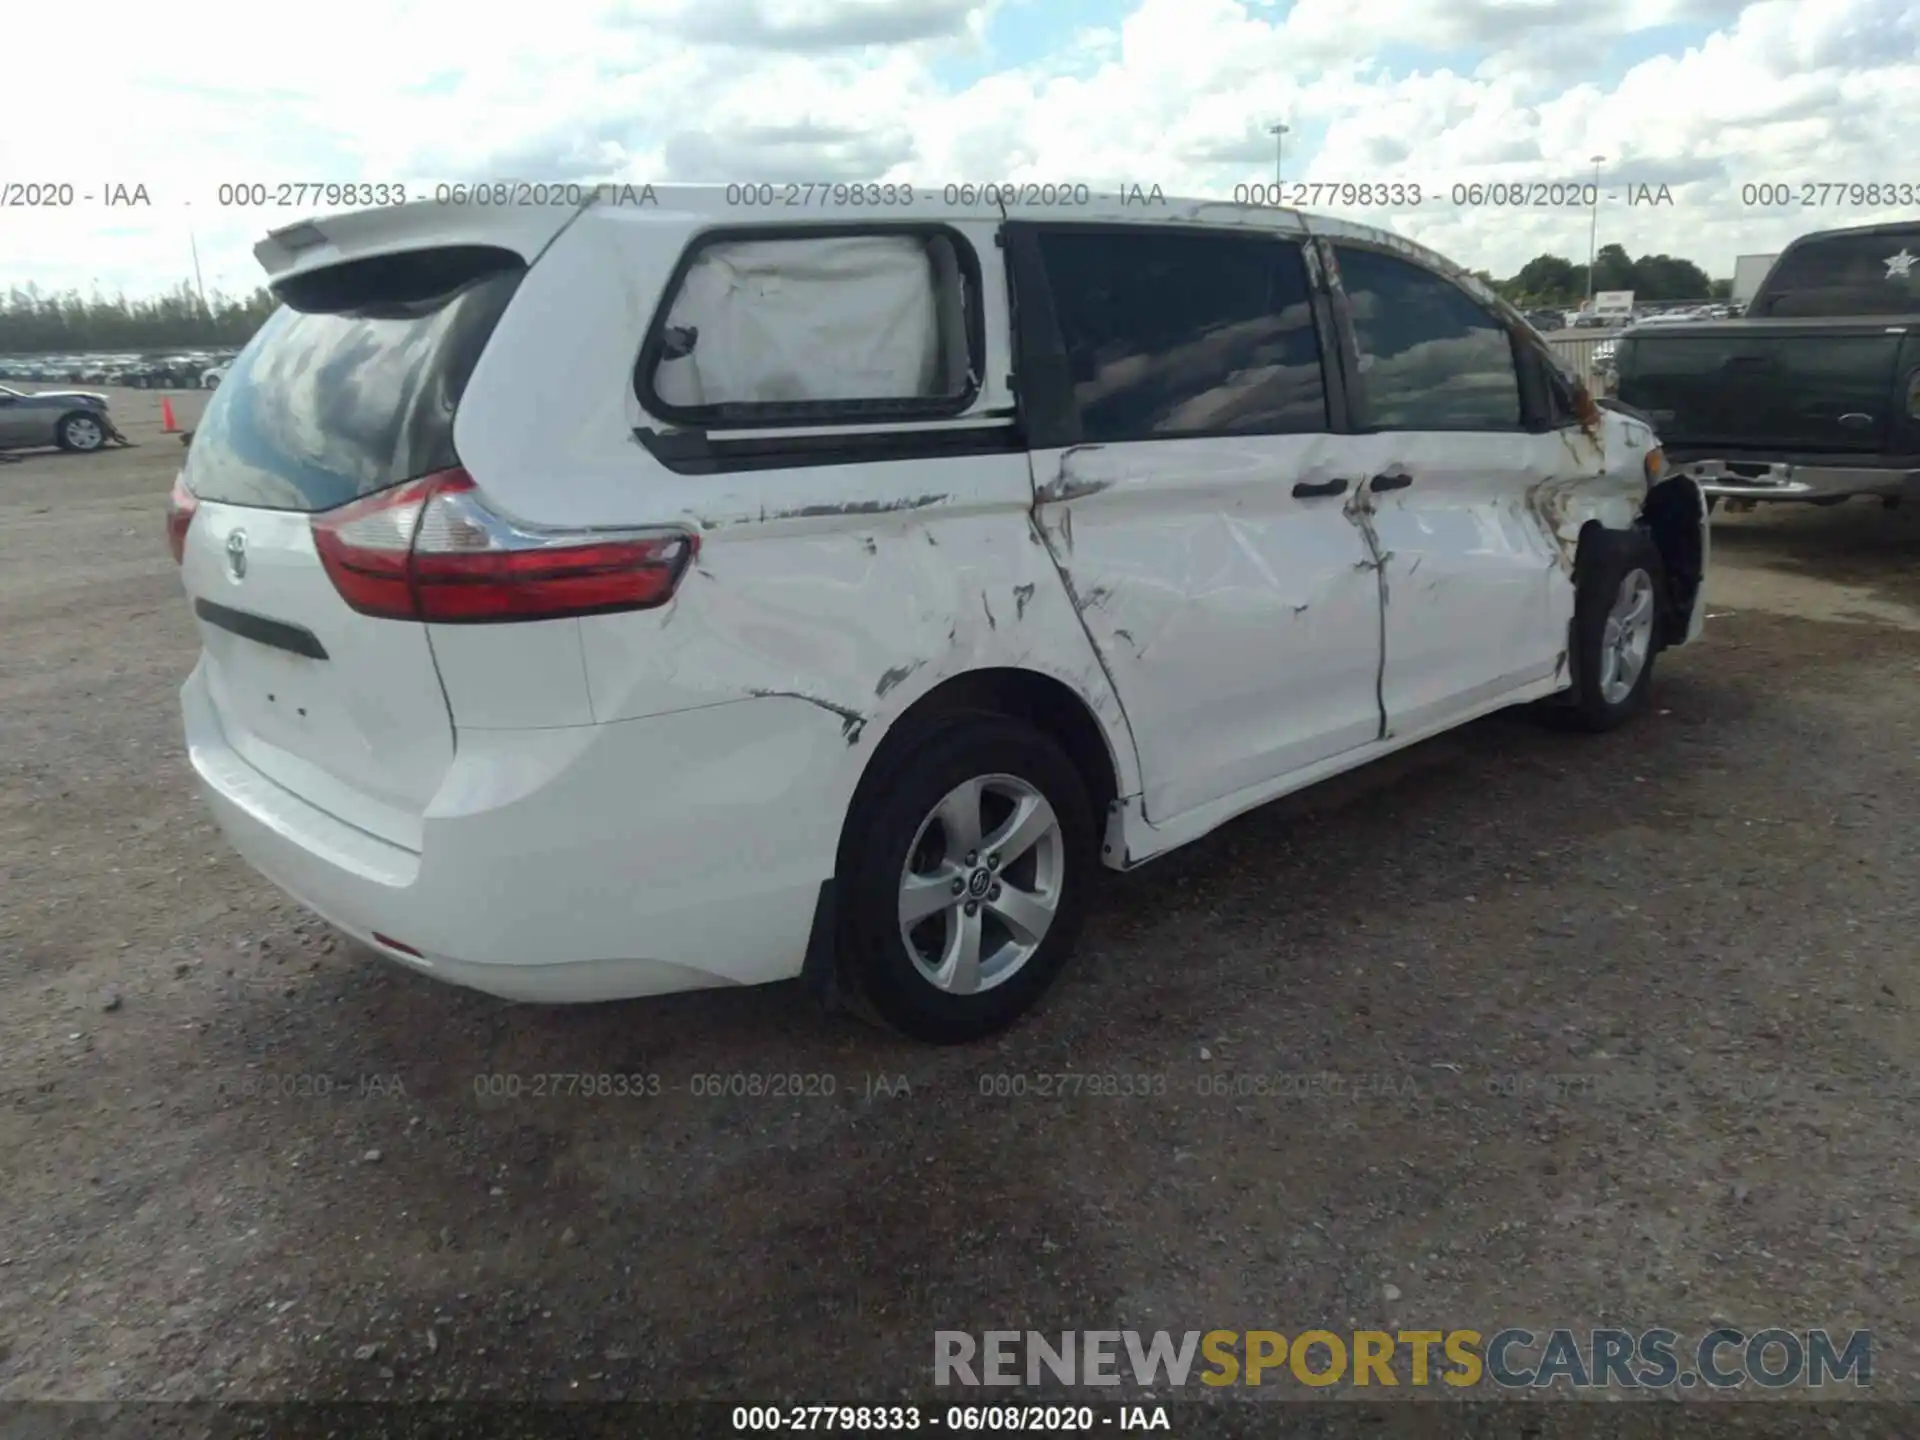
(1702, 96)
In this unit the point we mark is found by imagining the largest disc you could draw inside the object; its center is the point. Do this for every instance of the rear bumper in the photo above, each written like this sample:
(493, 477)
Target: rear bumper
(577, 864)
(1757, 480)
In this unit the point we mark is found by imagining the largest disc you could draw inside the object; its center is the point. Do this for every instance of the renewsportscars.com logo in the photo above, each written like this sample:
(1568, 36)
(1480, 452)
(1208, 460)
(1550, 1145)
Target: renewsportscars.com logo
(1510, 1359)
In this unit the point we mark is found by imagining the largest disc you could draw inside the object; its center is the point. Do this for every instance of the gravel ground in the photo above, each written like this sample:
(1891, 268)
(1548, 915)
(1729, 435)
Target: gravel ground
(244, 1159)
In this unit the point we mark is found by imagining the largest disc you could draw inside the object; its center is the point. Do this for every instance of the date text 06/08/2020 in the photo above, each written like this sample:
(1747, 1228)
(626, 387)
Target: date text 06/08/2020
(366, 195)
(59, 194)
(894, 196)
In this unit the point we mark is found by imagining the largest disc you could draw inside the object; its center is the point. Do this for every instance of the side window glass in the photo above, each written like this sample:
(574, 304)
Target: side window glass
(1171, 333)
(818, 329)
(1430, 358)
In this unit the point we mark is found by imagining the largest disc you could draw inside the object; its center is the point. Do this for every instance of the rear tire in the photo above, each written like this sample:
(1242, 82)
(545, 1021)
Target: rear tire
(81, 432)
(945, 937)
(1617, 626)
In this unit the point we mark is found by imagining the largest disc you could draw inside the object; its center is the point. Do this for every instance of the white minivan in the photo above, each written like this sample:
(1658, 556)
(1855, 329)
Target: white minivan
(662, 592)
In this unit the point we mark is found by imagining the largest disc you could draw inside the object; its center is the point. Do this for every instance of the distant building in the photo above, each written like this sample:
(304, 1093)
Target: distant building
(1748, 272)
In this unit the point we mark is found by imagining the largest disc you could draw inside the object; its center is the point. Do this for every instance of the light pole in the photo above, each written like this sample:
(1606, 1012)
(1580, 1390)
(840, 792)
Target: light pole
(198, 287)
(1593, 230)
(1279, 133)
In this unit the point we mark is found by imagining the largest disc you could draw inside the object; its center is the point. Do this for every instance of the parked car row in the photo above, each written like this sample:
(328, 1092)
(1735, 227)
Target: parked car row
(192, 370)
(1649, 316)
(1549, 321)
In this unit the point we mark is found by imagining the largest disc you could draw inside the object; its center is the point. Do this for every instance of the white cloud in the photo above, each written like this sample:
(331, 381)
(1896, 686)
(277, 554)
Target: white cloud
(1173, 92)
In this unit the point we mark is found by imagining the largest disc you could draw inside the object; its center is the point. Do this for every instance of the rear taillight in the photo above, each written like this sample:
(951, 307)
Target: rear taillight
(432, 550)
(180, 507)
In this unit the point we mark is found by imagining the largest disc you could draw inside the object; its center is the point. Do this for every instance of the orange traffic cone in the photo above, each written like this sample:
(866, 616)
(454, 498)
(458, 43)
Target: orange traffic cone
(167, 427)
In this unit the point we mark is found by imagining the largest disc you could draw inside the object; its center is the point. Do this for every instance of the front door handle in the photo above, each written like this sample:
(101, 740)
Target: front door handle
(1304, 491)
(1390, 482)
(1856, 420)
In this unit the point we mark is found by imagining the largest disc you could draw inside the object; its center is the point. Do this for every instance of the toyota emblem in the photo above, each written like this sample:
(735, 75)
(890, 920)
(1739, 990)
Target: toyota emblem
(237, 554)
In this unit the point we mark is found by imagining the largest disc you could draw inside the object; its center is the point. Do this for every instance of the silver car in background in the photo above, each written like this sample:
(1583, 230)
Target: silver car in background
(71, 419)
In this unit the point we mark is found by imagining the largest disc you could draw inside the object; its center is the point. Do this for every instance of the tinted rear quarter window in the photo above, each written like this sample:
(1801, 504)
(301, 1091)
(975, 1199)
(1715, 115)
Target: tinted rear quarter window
(351, 386)
(1430, 357)
(1173, 334)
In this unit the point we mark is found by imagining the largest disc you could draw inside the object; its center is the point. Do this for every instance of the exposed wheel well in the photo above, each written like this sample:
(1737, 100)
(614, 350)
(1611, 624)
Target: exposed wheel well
(1043, 702)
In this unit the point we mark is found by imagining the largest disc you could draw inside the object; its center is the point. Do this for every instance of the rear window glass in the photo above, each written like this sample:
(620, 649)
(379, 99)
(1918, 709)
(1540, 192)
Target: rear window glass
(1877, 274)
(351, 386)
(818, 328)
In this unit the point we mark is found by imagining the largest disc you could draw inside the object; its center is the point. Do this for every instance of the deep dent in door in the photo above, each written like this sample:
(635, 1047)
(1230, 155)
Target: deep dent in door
(1559, 503)
(1053, 525)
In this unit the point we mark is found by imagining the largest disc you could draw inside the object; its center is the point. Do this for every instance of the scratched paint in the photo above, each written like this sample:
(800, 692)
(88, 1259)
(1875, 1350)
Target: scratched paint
(852, 722)
(894, 676)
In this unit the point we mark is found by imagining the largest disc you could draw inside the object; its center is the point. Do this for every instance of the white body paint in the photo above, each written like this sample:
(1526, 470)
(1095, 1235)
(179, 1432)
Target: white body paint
(635, 803)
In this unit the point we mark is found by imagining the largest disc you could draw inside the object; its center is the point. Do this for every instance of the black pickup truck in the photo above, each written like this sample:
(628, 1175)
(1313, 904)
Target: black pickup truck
(1814, 395)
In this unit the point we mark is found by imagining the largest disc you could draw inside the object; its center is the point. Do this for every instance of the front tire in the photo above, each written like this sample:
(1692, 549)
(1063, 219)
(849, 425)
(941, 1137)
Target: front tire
(81, 432)
(964, 877)
(1617, 613)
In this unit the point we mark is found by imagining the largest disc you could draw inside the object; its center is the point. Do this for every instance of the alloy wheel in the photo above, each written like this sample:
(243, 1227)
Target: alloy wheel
(982, 883)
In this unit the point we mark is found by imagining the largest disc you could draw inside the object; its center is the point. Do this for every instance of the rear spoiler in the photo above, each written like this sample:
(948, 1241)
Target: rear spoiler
(327, 240)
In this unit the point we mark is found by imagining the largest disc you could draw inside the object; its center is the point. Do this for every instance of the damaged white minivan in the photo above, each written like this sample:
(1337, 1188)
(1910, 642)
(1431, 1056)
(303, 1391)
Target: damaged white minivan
(608, 601)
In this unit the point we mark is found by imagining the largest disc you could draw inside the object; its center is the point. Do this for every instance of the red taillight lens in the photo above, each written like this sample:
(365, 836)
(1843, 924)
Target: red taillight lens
(181, 504)
(432, 550)
(364, 547)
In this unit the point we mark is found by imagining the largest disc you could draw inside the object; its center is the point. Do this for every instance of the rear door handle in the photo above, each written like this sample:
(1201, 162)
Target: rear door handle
(1304, 491)
(1390, 482)
(1856, 420)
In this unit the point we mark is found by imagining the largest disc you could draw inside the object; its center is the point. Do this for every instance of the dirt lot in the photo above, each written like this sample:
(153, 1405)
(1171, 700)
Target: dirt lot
(242, 1159)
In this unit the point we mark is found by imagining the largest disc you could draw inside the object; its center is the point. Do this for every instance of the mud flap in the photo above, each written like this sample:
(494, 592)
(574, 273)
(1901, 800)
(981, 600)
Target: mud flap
(1586, 555)
(820, 971)
(1675, 515)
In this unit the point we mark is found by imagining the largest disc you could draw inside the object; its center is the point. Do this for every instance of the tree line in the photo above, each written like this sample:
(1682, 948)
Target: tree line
(34, 322)
(1553, 280)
